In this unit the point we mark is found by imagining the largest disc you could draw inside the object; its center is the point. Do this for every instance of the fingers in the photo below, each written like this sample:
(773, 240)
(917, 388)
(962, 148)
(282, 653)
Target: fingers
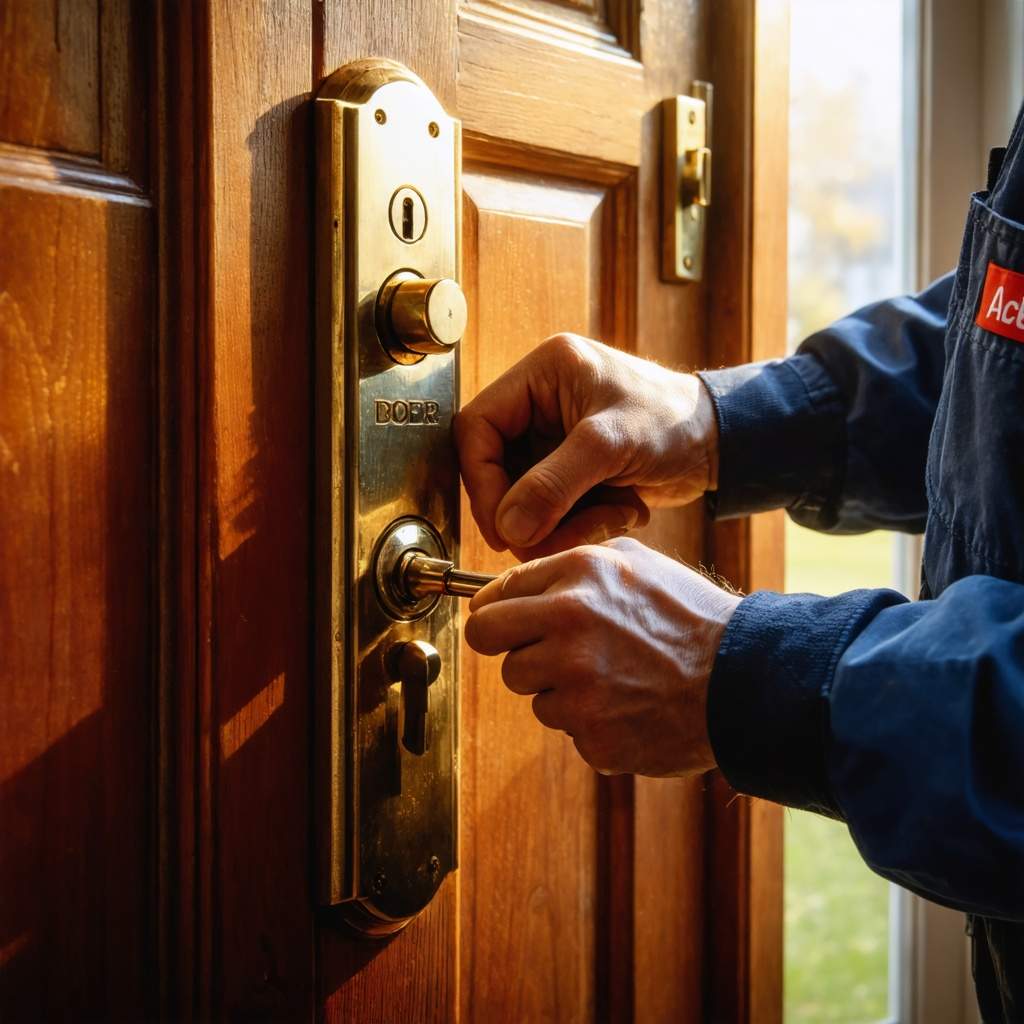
(543, 397)
(526, 580)
(540, 498)
(550, 709)
(506, 625)
(528, 670)
(501, 412)
(613, 512)
(481, 449)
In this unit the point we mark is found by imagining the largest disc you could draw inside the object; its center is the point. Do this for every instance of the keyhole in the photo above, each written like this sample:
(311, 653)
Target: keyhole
(407, 215)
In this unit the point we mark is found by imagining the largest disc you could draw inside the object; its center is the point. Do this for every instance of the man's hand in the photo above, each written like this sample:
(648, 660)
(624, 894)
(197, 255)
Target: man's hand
(617, 643)
(571, 416)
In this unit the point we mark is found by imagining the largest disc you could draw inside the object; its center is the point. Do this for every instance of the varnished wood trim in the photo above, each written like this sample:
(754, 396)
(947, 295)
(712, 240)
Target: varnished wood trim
(482, 150)
(174, 137)
(518, 86)
(44, 170)
(616, 911)
(203, 945)
(575, 27)
(624, 19)
(622, 276)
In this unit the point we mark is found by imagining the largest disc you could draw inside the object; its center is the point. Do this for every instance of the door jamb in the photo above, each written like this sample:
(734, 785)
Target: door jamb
(747, 322)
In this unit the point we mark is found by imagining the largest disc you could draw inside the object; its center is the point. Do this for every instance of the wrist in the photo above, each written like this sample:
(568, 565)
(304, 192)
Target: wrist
(706, 423)
(700, 434)
(718, 611)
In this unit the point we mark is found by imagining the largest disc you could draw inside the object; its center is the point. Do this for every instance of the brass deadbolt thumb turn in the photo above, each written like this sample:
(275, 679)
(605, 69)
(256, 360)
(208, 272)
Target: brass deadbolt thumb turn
(419, 316)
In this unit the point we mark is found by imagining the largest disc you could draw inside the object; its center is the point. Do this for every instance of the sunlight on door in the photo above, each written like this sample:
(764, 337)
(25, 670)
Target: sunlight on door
(846, 248)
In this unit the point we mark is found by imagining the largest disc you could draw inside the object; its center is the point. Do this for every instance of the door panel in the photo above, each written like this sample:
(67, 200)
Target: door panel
(76, 513)
(156, 523)
(255, 730)
(535, 256)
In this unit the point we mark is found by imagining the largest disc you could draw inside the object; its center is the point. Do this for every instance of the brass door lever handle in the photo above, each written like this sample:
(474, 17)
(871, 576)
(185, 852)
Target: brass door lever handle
(421, 575)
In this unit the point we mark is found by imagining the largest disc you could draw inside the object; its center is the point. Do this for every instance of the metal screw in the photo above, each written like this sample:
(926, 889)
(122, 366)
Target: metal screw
(379, 116)
(692, 117)
(380, 882)
(434, 867)
(433, 129)
(688, 262)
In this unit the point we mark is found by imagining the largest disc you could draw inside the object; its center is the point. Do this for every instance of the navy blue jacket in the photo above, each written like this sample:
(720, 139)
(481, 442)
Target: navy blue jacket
(905, 720)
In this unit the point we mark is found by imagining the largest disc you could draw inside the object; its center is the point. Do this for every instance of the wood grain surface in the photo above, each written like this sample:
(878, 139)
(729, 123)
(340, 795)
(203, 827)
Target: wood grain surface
(529, 806)
(255, 487)
(50, 75)
(77, 488)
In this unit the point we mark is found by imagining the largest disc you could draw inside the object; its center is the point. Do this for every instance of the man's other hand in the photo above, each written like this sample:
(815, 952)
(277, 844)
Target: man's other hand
(616, 642)
(575, 442)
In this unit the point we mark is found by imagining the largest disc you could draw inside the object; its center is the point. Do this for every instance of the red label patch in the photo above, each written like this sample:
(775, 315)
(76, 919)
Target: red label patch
(1002, 303)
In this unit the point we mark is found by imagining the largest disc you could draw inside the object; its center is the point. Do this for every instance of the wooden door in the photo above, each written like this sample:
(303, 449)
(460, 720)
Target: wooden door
(156, 337)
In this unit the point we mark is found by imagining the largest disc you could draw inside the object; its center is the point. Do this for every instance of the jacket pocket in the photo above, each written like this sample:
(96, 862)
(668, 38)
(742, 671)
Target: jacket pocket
(976, 452)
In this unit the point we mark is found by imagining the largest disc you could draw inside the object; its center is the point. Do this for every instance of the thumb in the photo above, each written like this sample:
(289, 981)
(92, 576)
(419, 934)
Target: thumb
(539, 499)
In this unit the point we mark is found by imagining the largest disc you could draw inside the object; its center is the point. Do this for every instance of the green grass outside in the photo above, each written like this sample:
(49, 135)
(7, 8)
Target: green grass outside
(836, 910)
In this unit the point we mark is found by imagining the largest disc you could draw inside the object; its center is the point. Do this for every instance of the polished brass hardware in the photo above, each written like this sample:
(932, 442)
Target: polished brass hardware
(686, 182)
(412, 572)
(416, 317)
(387, 218)
(406, 536)
(419, 665)
(422, 575)
(413, 411)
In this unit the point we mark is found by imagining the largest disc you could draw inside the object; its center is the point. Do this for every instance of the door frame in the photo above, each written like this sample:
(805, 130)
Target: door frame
(747, 322)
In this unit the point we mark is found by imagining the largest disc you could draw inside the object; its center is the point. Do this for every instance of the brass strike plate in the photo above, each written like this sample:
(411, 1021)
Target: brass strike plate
(686, 183)
(388, 210)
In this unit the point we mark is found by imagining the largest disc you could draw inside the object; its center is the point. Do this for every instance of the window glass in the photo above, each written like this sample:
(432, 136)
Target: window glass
(846, 248)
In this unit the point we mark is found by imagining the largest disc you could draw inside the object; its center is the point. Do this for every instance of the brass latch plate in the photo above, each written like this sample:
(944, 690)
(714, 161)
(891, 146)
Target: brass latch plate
(388, 211)
(686, 183)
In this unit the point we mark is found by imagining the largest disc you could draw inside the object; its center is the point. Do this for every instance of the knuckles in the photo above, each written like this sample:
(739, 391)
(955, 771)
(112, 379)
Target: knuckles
(600, 435)
(584, 560)
(590, 568)
(568, 611)
(568, 348)
(627, 545)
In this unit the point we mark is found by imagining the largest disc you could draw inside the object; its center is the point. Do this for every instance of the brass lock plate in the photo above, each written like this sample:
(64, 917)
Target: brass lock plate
(686, 183)
(387, 218)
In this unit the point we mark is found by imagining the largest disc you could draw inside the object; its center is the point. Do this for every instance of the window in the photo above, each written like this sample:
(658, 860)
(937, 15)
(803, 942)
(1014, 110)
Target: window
(849, 175)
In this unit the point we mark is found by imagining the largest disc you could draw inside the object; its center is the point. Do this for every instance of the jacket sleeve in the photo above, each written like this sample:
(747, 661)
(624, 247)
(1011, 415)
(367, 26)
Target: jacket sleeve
(837, 433)
(905, 720)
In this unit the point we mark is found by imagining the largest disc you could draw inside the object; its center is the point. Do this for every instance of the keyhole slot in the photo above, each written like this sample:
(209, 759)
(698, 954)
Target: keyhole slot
(407, 214)
(408, 228)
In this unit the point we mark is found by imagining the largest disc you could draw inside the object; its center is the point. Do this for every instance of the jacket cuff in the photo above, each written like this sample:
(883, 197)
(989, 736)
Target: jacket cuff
(768, 695)
(781, 430)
